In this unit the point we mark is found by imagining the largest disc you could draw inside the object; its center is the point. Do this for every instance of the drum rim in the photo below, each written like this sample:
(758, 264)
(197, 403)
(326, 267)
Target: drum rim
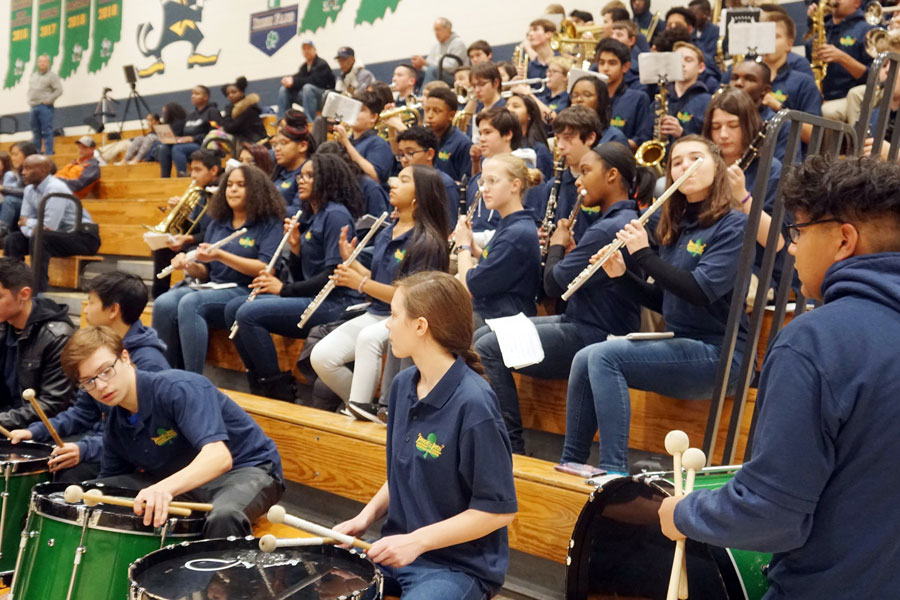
(31, 466)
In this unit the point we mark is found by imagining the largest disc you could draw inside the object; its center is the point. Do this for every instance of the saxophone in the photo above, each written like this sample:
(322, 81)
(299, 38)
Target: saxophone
(819, 66)
(549, 222)
(652, 153)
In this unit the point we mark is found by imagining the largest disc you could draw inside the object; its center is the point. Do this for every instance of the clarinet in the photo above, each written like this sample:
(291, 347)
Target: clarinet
(617, 244)
(451, 247)
(549, 222)
(270, 267)
(752, 150)
(192, 255)
(328, 287)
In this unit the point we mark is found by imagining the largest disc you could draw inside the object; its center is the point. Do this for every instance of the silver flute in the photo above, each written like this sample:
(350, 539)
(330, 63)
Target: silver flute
(326, 289)
(617, 244)
(271, 266)
(191, 256)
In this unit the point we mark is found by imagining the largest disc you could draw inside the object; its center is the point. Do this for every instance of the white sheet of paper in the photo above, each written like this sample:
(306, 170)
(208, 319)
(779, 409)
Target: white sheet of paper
(656, 65)
(758, 37)
(157, 240)
(575, 74)
(341, 108)
(518, 339)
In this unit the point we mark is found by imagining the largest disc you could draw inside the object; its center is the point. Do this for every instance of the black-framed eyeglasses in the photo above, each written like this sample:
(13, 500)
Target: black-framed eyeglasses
(408, 154)
(104, 375)
(794, 229)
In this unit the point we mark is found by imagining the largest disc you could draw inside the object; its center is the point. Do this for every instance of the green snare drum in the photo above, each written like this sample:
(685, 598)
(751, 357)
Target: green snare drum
(72, 551)
(618, 550)
(22, 466)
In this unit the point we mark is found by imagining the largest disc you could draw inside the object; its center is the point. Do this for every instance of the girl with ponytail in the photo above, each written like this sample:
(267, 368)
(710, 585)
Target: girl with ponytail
(450, 492)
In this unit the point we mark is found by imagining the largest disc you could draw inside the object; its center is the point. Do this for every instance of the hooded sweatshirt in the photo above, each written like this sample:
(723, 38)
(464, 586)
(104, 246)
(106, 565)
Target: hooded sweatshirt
(821, 489)
(147, 352)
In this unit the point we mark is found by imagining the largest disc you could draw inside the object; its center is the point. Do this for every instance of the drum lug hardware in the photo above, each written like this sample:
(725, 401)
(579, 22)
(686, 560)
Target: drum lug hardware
(51, 542)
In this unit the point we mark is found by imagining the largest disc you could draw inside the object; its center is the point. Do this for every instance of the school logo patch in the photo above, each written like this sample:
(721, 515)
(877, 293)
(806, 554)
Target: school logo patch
(246, 242)
(484, 253)
(308, 235)
(429, 446)
(165, 436)
(285, 184)
(399, 255)
(848, 40)
(591, 210)
(617, 122)
(780, 96)
(443, 155)
(684, 117)
(696, 247)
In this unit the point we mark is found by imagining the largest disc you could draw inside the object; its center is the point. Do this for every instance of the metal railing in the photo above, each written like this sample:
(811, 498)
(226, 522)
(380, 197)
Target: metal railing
(37, 248)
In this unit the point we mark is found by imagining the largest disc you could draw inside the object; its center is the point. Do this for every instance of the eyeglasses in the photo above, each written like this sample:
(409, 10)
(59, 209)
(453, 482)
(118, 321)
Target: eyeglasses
(492, 181)
(794, 229)
(305, 177)
(104, 375)
(409, 154)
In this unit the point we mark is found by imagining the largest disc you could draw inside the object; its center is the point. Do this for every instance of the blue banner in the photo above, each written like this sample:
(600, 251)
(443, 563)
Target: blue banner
(272, 29)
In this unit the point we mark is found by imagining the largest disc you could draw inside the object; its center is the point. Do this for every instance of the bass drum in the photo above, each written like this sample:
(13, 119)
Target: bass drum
(236, 569)
(618, 550)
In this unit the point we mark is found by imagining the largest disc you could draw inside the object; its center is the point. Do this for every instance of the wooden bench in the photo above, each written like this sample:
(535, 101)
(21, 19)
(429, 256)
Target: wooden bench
(343, 456)
(65, 271)
(142, 188)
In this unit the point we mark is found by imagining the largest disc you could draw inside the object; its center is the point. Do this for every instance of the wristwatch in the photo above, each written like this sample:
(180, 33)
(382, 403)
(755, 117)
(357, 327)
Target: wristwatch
(464, 247)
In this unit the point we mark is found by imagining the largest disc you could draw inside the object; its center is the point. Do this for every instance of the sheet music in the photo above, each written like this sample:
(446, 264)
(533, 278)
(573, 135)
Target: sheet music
(758, 37)
(341, 108)
(660, 65)
(518, 339)
(157, 241)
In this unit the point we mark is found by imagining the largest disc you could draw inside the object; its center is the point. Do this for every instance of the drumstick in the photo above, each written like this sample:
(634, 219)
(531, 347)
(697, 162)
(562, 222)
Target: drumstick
(198, 506)
(29, 395)
(5, 432)
(93, 497)
(693, 460)
(278, 515)
(676, 443)
(269, 543)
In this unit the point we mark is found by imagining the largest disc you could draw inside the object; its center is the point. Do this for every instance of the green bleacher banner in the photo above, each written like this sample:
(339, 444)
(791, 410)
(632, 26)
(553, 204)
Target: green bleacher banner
(20, 18)
(77, 24)
(372, 10)
(49, 14)
(107, 31)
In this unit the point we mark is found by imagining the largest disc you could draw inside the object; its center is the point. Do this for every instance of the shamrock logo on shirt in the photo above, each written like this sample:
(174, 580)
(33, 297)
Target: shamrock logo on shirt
(246, 242)
(285, 185)
(164, 436)
(696, 247)
(591, 210)
(443, 155)
(780, 96)
(429, 446)
(617, 122)
(484, 253)
(308, 235)
(399, 255)
(848, 40)
(684, 117)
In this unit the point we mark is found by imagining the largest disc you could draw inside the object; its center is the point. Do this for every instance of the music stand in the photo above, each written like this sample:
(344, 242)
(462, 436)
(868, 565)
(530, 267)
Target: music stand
(131, 77)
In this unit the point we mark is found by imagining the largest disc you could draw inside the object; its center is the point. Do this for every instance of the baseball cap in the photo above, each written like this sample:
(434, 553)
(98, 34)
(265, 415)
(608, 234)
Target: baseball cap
(345, 52)
(307, 42)
(86, 140)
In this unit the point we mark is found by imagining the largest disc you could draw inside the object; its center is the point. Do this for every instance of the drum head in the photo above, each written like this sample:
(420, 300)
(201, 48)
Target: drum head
(48, 500)
(24, 457)
(237, 569)
(618, 550)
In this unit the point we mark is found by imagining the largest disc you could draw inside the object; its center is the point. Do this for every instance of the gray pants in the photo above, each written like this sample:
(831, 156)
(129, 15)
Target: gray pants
(239, 497)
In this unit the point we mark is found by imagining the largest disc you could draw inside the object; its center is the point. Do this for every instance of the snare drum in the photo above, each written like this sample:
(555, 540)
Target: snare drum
(73, 551)
(618, 550)
(236, 569)
(23, 466)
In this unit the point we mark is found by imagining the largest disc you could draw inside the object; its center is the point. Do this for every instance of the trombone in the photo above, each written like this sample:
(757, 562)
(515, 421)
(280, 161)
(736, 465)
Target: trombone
(506, 85)
(875, 12)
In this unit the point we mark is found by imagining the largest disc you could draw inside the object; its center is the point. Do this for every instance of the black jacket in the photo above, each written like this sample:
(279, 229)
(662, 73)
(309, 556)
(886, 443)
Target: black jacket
(243, 121)
(320, 75)
(38, 367)
(199, 123)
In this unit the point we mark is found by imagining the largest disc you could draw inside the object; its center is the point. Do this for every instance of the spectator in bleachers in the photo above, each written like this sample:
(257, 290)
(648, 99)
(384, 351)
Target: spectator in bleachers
(308, 85)
(33, 331)
(143, 147)
(293, 145)
(354, 75)
(241, 118)
(59, 219)
(13, 188)
(7, 172)
(479, 51)
(82, 174)
(44, 87)
(256, 155)
(196, 125)
(448, 42)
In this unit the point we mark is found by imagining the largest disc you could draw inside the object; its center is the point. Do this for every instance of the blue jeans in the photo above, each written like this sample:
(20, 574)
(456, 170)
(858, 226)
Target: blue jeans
(183, 316)
(425, 580)
(598, 389)
(309, 95)
(10, 210)
(560, 339)
(178, 153)
(42, 127)
(274, 314)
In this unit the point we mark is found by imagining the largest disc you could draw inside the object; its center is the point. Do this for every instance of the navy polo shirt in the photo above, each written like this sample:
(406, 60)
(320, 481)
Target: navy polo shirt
(799, 63)
(797, 91)
(750, 176)
(387, 255)
(613, 134)
(319, 241)
(599, 305)
(707, 38)
(849, 36)
(690, 107)
(632, 114)
(641, 43)
(446, 453)
(377, 151)
(374, 196)
(643, 20)
(544, 160)
(632, 77)
(507, 278)
(557, 103)
(452, 191)
(260, 242)
(711, 254)
(178, 414)
(453, 154)
(482, 219)
(286, 183)
(537, 69)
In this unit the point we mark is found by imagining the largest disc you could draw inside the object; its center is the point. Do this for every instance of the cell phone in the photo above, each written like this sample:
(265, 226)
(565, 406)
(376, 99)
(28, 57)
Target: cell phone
(579, 469)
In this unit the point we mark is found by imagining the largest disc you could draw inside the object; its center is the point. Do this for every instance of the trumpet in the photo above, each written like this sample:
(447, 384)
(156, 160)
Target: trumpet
(409, 114)
(514, 82)
(295, 220)
(875, 12)
(191, 256)
(174, 223)
(617, 244)
(328, 287)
